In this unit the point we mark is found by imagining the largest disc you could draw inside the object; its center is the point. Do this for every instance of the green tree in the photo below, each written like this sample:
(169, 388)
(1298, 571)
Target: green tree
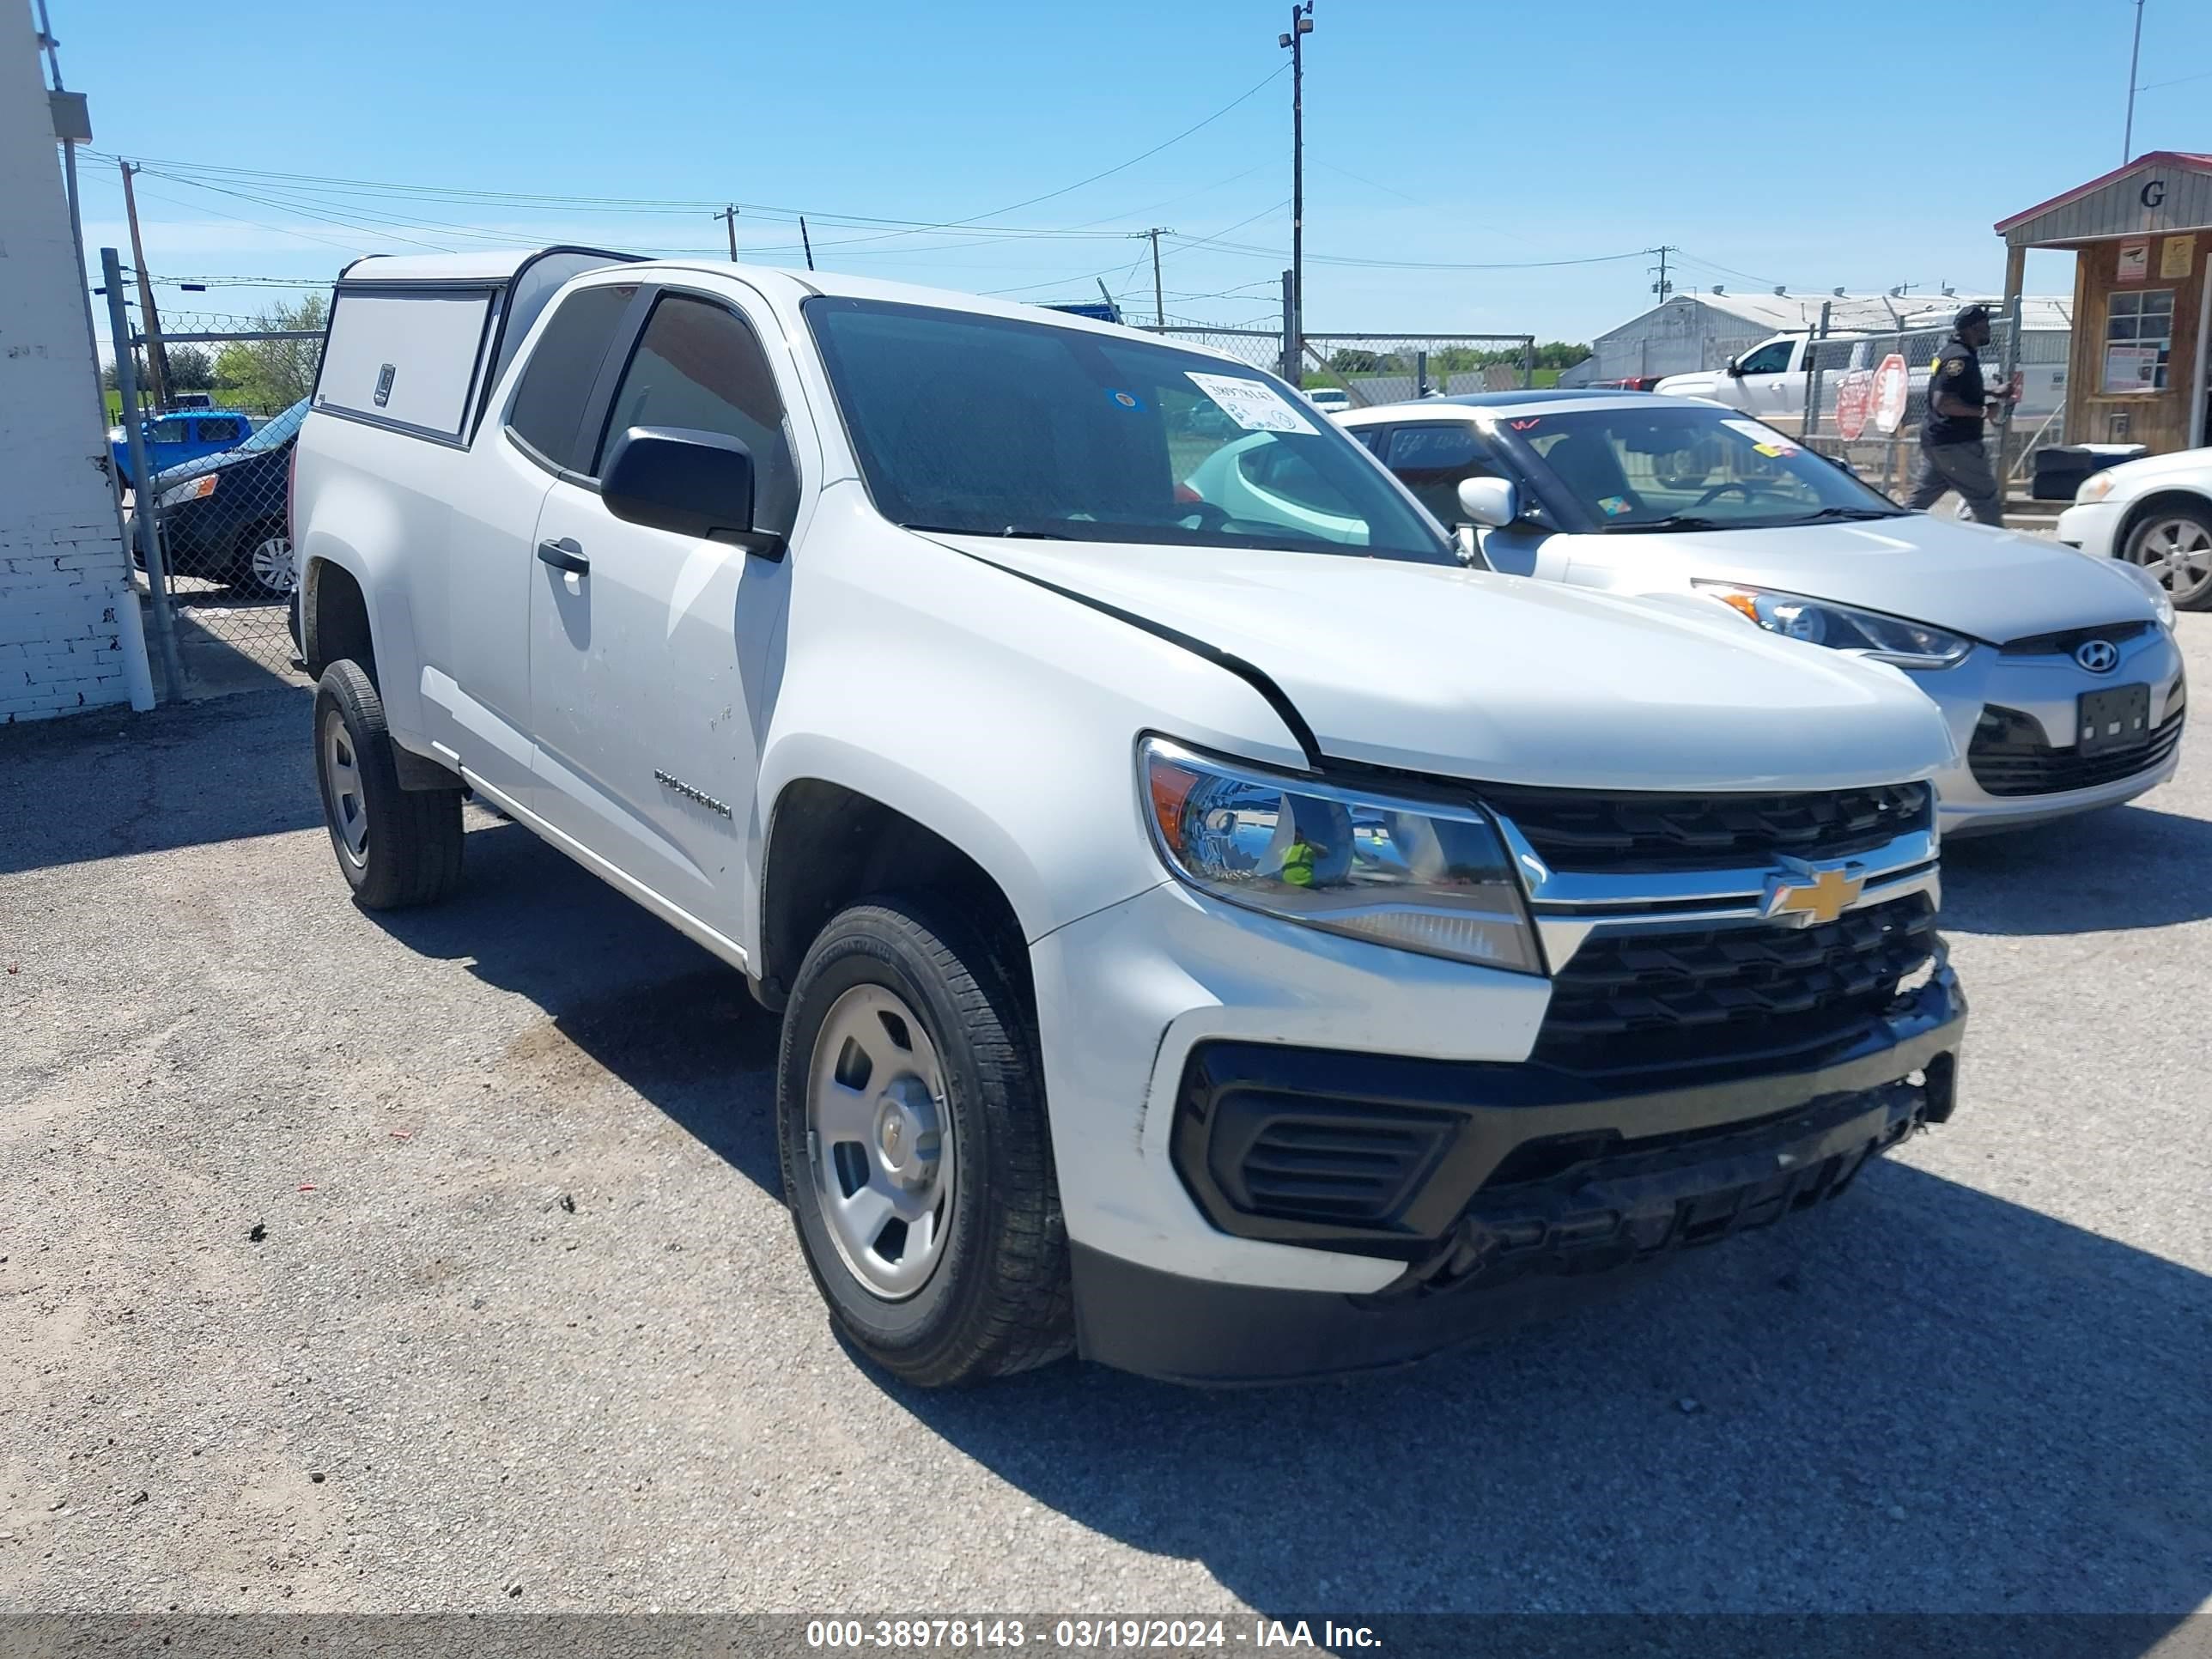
(269, 375)
(191, 369)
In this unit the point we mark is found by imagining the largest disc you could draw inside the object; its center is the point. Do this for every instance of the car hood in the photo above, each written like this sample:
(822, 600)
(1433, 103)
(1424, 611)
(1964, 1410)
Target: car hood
(1689, 386)
(1471, 674)
(1993, 585)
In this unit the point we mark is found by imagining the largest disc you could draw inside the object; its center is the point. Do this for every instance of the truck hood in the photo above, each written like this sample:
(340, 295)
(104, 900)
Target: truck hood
(1990, 584)
(1692, 386)
(1470, 674)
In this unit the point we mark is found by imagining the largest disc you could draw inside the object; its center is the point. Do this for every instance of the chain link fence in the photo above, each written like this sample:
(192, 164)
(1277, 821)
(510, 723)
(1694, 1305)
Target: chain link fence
(1381, 369)
(217, 497)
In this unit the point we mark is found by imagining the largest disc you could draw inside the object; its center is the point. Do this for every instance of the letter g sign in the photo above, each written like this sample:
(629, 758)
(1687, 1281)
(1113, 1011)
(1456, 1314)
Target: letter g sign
(2153, 193)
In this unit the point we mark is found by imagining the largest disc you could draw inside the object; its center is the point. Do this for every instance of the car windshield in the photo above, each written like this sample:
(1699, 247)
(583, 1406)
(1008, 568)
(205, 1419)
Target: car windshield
(276, 432)
(993, 426)
(1664, 465)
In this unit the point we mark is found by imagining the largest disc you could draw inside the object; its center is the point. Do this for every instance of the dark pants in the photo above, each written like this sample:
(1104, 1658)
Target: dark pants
(1963, 467)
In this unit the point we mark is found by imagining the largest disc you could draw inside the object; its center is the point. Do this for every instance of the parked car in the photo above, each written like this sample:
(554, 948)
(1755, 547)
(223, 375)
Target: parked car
(1329, 399)
(222, 516)
(2059, 677)
(2155, 514)
(179, 435)
(1225, 949)
(1769, 381)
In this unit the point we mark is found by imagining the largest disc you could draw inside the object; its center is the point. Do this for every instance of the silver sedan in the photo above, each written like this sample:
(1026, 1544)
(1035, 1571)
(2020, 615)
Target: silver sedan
(2059, 673)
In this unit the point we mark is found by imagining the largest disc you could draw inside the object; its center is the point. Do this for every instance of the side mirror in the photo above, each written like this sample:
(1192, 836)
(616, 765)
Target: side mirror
(691, 482)
(1490, 502)
(1735, 370)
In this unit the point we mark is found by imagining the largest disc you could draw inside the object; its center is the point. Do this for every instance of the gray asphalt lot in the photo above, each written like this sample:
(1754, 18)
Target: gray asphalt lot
(435, 1262)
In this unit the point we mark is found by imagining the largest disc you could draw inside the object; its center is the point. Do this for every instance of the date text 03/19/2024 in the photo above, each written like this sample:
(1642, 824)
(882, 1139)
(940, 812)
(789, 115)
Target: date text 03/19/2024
(1085, 1635)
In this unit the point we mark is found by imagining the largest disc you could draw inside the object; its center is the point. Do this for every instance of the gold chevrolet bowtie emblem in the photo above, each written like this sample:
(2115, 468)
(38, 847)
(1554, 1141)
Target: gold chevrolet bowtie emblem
(1813, 896)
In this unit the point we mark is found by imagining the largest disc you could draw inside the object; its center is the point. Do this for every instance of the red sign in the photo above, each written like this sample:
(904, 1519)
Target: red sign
(1892, 387)
(1854, 397)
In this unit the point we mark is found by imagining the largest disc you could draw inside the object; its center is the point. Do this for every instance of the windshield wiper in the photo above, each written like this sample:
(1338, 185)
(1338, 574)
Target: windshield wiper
(1829, 514)
(1673, 521)
(1025, 532)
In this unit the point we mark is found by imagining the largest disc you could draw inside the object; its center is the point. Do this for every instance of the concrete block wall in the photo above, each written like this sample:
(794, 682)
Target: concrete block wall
(64, 578)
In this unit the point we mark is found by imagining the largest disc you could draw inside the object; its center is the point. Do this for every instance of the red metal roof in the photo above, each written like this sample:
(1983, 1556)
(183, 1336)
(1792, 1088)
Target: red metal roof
(2171, 158)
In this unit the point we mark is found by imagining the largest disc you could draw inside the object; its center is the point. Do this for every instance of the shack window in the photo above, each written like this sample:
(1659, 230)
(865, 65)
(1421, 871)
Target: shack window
(2138, 340)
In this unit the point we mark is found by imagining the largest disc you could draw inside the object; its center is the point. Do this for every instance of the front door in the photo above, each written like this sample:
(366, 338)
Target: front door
(649, 650)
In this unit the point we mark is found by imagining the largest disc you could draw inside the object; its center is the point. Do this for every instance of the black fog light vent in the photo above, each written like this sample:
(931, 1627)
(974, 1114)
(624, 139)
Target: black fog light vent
(1292, 1159)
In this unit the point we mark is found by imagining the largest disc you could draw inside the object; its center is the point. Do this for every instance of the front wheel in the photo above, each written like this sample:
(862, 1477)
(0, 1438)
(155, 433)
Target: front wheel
(395, 846)
(916, 1161)
(263, 567)
(2175, 545)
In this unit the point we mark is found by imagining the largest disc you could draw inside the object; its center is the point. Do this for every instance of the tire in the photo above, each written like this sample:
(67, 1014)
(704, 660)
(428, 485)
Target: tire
(395, 846)
(261, 567)
(952, 1083)
(2174, 543)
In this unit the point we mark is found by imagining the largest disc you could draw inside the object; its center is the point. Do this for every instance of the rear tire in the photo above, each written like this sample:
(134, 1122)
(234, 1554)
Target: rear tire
(395, 846)
(916, 1157)
(263, 569)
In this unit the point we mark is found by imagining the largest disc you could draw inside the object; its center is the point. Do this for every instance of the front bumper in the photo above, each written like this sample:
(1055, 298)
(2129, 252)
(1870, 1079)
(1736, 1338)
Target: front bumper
(2092, 526)
(1134, 999)
(1539, 1204)
(2046, 689)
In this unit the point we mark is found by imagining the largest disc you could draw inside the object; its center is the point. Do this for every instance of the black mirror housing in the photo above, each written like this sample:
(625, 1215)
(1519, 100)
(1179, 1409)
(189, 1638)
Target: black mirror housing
(687, 482)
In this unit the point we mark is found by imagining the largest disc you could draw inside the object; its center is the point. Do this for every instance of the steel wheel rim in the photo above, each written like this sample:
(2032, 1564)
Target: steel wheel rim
(271, 563)
(2179, 552)
(880, 1146)
(341, 792)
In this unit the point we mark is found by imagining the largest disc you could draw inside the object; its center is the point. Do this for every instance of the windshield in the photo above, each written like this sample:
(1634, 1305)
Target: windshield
(993, 426)
(1669, 465)
(276, 431)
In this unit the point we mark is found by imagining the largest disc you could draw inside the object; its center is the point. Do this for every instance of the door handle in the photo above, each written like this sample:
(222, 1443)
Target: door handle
(564, 554)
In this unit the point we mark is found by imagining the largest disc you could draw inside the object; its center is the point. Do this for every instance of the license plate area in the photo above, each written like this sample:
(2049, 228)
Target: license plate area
(2113, 720)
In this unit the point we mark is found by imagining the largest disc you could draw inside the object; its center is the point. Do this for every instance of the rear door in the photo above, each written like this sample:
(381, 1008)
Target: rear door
(650, 666)
(493, 539)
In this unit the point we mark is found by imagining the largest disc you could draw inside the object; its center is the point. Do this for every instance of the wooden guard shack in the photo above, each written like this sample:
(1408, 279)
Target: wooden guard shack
(2141, 238)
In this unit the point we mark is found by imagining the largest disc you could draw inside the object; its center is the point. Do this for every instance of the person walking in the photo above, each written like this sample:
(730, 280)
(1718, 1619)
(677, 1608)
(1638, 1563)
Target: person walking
(1952, 456)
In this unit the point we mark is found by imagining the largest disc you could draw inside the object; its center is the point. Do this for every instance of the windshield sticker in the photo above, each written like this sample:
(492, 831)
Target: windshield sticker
(1253, 405)
(1128, 400)
(1764, 439)
(1528, 425)
(1614, 506)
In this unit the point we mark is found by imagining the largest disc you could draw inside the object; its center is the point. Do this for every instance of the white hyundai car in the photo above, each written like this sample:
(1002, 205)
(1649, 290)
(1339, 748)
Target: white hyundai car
(2156, 513)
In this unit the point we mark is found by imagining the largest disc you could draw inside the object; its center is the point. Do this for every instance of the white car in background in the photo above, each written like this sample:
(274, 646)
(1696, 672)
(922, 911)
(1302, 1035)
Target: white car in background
(2156, 513)
(1329, 399)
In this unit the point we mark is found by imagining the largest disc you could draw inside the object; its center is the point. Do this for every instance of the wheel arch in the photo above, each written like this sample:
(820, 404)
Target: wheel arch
(2165, 497)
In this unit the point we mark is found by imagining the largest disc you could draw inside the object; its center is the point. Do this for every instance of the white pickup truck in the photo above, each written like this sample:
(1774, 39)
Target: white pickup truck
(1229, 951)
(1770, 379)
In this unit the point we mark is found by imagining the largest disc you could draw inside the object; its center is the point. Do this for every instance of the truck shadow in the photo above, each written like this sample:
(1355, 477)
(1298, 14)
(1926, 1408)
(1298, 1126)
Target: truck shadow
(1925, 1399)
(2132, 867)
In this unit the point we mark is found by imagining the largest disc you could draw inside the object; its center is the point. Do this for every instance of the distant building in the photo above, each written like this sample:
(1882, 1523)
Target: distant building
(1694, 331)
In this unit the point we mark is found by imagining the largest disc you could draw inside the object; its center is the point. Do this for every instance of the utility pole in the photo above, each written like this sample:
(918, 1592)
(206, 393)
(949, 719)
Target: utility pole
(1301, 26)
(1159, 299)
(728, 215)
(157, 360)
(807, 242)
(1663, 288)
(2135, 62)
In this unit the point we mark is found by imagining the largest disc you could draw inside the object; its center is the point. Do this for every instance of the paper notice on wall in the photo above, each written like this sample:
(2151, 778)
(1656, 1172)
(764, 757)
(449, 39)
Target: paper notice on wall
(2131, 368)
(1253, 405)
(2135, 261)
(2176, 258)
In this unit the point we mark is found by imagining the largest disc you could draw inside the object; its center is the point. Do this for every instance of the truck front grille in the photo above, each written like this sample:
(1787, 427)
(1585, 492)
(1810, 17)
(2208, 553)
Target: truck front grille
(1571, 829)
(1678, 996)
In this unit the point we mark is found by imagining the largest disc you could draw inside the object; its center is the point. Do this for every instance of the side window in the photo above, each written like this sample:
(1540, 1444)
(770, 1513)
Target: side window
(699, 365)
(548, 404)
(222, 429)
(1772, 358)
(174, 430)
(1283, 473)
(1431, 460)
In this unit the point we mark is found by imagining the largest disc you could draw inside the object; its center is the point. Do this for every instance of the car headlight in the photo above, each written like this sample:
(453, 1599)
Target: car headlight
(1817, 622)
(1417, 875)
(192, 489)
(2162, 600)
(2094, 487)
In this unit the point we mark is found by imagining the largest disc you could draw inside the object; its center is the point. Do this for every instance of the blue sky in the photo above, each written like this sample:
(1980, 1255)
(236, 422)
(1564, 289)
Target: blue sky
(1765, 142)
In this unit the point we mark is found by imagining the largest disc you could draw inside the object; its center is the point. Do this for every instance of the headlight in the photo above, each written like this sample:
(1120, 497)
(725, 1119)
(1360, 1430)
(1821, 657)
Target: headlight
(1885, 639)
(194, 489)
(2151, 585)
(2094, 487)
(1417, 875)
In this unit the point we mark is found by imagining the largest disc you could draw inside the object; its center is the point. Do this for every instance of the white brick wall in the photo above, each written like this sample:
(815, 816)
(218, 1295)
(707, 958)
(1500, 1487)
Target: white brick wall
(64, 576)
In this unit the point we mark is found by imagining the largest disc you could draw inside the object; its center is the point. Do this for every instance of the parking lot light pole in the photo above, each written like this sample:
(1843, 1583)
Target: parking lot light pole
(1301, 25)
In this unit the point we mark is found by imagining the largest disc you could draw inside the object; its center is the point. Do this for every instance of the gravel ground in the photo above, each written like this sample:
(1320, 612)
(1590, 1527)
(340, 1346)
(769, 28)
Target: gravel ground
(435, 1262)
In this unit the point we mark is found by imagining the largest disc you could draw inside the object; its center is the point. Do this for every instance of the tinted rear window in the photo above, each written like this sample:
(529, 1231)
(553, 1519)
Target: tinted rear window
(548, 404)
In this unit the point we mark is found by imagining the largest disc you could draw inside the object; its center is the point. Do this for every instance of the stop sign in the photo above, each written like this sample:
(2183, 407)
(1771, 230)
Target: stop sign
(1854, 397)
(1892, 387)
